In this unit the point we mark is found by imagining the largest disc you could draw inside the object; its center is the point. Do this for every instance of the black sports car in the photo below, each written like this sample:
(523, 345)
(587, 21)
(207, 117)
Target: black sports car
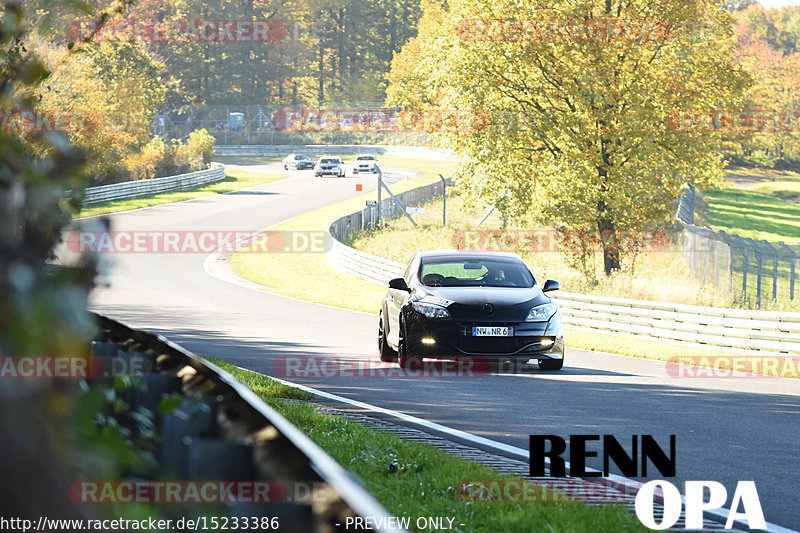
(451, 304)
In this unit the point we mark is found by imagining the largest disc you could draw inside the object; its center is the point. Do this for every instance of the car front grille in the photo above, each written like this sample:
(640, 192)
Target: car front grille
(500, 345)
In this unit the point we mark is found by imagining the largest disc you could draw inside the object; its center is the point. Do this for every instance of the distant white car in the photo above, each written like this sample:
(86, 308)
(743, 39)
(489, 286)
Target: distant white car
(329, 166)
(365, 163)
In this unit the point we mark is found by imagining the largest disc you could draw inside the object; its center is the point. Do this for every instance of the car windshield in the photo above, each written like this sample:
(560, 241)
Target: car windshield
(475, 273)
(302, 157)
(366, 158)
(329, 161)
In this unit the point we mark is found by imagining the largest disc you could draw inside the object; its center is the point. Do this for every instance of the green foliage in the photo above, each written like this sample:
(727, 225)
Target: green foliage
(42, 310)
(768, 44)
(331, 51)
(576, 132)
(157, 159)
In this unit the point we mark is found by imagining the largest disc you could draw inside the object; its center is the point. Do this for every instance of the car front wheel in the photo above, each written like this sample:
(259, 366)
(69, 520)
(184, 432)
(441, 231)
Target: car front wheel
(405, 359)
(387, 355)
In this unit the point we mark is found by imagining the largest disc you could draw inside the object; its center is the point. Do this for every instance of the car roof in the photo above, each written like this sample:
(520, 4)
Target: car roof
(460, 255)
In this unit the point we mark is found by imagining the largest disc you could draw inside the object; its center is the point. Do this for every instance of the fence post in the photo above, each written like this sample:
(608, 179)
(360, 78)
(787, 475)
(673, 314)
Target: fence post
(380, 186)
(759, 259)
(775, 278)
(444, 200)
(730, 270)
(745, 260)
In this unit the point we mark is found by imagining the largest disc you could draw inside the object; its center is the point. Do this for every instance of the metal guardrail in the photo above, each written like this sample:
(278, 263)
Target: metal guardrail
(238, 437)
(139, 188)
(736, 330)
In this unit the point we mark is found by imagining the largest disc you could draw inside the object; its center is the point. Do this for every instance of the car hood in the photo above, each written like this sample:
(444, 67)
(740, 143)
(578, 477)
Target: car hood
(510, 304)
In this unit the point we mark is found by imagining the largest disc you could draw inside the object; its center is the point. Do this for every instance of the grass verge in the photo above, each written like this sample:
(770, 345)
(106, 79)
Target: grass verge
(757, 203)
(417, 480)
(237, 177)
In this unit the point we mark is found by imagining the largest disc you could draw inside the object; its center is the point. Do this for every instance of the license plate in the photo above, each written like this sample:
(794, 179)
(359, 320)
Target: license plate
(491, 331)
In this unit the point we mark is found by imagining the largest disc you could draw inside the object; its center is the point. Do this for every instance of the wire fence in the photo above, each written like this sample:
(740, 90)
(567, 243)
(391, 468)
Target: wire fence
(367, 218)
(335, 123)
(751, 269)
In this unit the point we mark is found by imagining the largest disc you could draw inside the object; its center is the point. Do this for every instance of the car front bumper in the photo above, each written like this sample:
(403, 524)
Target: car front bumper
(447, 339)
(329, 172)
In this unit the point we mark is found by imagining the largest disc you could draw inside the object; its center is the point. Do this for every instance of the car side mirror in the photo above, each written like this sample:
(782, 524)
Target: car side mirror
(399, 284)
(551, 285)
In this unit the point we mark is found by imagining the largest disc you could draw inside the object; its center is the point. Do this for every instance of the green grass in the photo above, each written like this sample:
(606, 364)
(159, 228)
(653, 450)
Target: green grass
(757, 204)
(237, 177)
(414, 480)
(752, 214)
(263, 386)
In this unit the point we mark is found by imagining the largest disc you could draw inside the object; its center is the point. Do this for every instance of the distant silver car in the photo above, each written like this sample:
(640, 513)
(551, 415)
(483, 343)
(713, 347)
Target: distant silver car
(329, 166)
(365, 163)
(297, 161)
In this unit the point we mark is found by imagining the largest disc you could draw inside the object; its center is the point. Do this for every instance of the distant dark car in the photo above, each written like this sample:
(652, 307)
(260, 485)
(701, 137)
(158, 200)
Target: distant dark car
(451, 304)
(297, 161)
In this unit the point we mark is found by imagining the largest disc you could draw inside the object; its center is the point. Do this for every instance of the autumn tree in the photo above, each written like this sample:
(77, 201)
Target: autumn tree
(580, 101)
(768, 46)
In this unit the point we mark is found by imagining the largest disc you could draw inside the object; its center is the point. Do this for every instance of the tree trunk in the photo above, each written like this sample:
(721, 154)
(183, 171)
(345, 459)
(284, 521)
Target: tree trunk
(321, 88)
(611, 251)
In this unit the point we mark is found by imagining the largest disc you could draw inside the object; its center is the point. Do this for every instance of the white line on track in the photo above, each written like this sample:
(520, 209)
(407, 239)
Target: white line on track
(620, 481)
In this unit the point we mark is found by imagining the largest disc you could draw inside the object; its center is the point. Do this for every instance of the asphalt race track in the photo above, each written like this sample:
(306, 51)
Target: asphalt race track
(727, 429)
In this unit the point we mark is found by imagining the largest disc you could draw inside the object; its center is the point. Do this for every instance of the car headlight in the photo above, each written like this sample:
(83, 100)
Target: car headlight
(431, 311)
(541, 313)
